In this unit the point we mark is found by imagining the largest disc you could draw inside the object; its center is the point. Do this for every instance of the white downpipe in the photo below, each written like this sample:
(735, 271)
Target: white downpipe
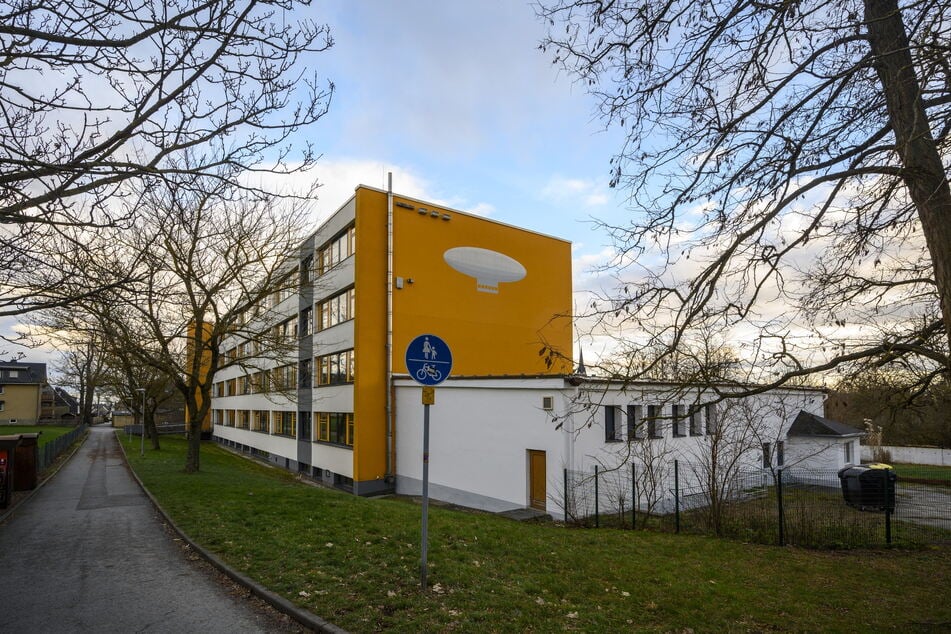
(389, 327)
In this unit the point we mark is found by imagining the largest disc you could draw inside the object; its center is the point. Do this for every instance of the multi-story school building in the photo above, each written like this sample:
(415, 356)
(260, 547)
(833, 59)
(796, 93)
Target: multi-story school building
(513, 417)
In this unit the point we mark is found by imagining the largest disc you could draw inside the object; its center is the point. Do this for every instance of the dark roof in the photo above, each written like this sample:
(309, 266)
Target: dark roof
(65, 398)
(26, 372)
(807, 424)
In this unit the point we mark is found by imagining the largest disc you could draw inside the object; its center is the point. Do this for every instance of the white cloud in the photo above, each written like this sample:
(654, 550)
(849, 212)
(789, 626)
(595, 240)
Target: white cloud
(575, 191)
(482, 209)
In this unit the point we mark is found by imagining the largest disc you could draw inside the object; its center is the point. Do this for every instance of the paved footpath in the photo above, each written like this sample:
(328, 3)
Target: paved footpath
(89, 553)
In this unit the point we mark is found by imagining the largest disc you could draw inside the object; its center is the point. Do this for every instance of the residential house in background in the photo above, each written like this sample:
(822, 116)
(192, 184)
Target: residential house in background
(21, 392)
(58, 405)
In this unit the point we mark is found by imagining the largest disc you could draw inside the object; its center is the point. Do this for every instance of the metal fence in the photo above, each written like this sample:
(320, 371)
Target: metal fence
(48, 452)
(167, 428)
(803, 507)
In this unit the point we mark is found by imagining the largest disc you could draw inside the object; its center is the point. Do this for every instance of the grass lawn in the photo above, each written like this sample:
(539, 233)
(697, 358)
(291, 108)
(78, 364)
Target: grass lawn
(355, 561)
(48, 434)
(923, 472)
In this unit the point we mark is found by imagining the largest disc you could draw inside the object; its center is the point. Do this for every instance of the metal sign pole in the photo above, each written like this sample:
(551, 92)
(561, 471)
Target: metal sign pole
(429, 362)
(425, 537)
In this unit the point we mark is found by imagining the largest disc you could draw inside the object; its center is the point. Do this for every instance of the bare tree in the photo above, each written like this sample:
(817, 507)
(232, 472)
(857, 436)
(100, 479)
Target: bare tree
(97, 94)
(787, 170)
(83, 367)
(739, 450)
(211, 262)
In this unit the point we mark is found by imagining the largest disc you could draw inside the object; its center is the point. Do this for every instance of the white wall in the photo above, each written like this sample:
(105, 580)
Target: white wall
(820, 453)
(913, 455)
(480, 434)
(274, 445)
(481, 431)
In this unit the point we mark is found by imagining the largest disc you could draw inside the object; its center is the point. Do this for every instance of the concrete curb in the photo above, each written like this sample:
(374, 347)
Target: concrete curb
(305, 618)
(8, 513)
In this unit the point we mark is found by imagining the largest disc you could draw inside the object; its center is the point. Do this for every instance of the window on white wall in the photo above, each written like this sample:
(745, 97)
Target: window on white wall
(654, 429)
(635, 423)
(611, 428)
(766, 457)
(710, 413)
(847, 448)
(677, 420)
(696, 421)
(781, 453)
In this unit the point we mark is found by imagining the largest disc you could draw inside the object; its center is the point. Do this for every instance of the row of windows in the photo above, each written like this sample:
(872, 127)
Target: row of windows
(337, 368)
(332, 427)
(336, 309)
(649, 421)
(336, 250)
(330, 312)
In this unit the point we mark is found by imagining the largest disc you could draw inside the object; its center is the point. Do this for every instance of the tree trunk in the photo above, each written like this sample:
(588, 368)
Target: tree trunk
(196, 415)
(151, 428)
(923, 171)
(87, 397)
(194, 446)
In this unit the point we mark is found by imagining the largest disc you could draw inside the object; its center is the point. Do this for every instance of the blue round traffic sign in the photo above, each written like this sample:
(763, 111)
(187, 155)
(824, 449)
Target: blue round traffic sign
(428, 360)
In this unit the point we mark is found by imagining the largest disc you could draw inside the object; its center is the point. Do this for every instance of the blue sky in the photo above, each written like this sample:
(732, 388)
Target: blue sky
(457, 101)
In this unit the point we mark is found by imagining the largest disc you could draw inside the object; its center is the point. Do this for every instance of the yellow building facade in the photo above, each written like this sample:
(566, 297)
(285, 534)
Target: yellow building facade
(380, 271)
(21, 387)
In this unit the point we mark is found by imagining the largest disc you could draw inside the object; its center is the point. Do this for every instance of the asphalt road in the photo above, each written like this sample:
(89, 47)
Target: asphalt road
(88, 553)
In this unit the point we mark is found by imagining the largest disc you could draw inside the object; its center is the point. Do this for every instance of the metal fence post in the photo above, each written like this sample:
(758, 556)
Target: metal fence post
(779, 501)
(566, 495)
(597, 514)
(677, 494)
(888, 507)
(633, 496)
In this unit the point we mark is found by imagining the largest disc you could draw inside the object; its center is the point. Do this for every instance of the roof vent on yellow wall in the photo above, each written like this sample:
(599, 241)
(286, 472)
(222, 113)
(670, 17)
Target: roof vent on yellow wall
(422, 211)
(446, 216)
(400, 203)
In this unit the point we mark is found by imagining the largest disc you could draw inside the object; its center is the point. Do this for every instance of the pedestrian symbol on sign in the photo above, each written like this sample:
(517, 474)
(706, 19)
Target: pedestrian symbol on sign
(428, 359)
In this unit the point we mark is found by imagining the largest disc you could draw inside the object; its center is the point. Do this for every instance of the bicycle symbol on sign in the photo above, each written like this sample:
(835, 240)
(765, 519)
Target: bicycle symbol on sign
(430, 371)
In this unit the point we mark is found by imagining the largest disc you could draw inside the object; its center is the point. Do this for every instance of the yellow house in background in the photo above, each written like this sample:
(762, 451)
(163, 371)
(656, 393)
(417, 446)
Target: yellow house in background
(21, 389)
(383, 269)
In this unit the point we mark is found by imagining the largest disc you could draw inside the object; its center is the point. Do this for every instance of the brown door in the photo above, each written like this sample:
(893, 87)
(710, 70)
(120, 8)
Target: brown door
(536, 479)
